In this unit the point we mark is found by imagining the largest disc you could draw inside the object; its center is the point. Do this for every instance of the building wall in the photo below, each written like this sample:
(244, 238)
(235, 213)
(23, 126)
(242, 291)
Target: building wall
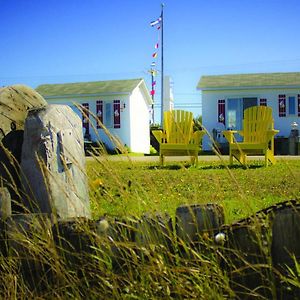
(168, 99)
(139, 122)
(210, 108)
(133, 137)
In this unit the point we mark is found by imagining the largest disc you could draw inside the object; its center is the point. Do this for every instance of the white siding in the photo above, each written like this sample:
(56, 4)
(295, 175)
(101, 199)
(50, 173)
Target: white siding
(134, 130)
(139, 122)
(210, 108)
(99, 134)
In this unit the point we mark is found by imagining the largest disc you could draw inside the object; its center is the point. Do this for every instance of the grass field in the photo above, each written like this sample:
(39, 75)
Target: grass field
(124, 188)
(94, 264)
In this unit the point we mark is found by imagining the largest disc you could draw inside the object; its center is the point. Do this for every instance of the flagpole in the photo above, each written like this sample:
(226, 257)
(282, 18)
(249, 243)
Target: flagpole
(162, 65)
(152, 93)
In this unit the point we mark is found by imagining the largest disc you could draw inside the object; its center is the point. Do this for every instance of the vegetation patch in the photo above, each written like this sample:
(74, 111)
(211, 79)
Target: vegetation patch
(133, 188)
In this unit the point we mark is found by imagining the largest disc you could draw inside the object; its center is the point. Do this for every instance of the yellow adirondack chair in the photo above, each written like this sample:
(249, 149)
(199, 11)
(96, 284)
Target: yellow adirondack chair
(258, 136)
(177, 137)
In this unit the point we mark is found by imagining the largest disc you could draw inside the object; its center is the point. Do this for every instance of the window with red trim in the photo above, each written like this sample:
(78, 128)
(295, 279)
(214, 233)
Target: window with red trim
(117, 114)
(99, 112)
(85, 118)
(221, 111)
(282, 105)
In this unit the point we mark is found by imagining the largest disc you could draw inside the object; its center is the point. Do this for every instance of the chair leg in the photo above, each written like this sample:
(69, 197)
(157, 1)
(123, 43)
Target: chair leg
(240, 156)
(194, 159)
(230, 157)
(269, 157)
(243, 159)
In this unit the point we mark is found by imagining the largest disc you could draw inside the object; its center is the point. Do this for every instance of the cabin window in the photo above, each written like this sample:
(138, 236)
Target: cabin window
(86, 119)
(235, 111)
(117, 114)
(288, 105)
(99, 112)
(263, 102)
(108, 115)
(292, 105)
(282, 105)
(112, 114)
(221, 111)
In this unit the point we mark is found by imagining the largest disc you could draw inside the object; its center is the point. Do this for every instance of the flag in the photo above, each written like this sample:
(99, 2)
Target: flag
(154, 55)
(156, 46)
(153, 83)
(156, 22)
(152, 92)
(153, 64)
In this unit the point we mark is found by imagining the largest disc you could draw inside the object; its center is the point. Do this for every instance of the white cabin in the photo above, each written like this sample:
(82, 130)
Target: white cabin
(122, 106)
(225, 97)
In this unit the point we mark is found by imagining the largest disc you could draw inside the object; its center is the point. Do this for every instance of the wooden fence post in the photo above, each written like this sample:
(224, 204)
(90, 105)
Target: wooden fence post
(194, 222)
(30, 241)
(285, 251)
(196, 226)
(246, 258)
(53, 163)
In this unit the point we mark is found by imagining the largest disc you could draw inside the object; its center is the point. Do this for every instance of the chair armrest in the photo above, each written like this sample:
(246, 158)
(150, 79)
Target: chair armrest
(229, 134)
(197, 137)
(271, 134)
(159, 135)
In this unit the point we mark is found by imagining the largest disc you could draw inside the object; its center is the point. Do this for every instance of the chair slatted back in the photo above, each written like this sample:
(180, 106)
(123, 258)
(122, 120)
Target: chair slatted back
(257, 121)
(178, 126)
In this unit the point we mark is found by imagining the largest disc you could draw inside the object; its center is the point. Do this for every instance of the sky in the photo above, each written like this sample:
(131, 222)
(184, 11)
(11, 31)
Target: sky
(60, 41)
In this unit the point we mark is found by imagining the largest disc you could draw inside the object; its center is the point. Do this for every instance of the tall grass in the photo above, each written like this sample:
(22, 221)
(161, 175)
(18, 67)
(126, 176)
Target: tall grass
(121, 255)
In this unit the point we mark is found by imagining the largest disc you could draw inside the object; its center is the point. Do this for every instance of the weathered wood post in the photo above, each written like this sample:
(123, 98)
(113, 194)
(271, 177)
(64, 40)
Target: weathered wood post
(15, 101)
(75, 240)
(5, 213)
(247, 258)
(154, 229)
(10, 159)
(53, 163)
(155, 235)
(120, 242)
(196, 225)
(5, 203)
(31, 244)
(285, 251)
